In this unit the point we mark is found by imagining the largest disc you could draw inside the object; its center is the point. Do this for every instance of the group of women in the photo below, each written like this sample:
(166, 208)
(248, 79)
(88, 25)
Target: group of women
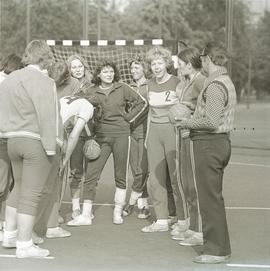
(48, 112)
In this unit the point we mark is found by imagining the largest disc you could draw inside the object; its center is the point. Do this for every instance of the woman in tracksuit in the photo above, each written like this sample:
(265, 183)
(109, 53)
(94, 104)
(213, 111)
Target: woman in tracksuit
(161, 141)
(112, 133)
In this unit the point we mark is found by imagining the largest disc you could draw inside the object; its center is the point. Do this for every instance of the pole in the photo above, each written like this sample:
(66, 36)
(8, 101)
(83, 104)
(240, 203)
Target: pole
(28, 19)
(160, 18)
(98, 20)
(85, 20)
(229, 32)
(0, 25)
(249, 80)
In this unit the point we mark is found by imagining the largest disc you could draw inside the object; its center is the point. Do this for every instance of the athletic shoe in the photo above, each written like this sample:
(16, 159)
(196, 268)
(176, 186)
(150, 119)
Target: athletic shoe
(181, 236)
(177, 229)
(193, 240)
(144, 213)
(80, 221)
(155, 227)
(9, 242)
(128, 209)
(37, 240)
(211, 259)
(117, 216)
(173, 226)
(57, 232)
(75, 213)
(172, 220)
(61, 220)
(32, 252)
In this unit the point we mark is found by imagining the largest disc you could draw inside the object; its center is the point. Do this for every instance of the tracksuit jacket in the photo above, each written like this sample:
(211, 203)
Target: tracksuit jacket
(116, 121)
(29, 108)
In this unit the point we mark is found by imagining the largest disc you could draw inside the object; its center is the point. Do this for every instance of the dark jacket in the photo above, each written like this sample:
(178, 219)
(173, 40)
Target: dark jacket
(115, 120)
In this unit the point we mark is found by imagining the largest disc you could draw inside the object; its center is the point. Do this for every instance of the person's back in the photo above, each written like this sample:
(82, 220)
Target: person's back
(23, 105)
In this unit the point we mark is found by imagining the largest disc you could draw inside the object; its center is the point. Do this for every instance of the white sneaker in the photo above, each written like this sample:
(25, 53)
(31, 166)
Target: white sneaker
(155, 227)
(182, 235)
(9, 242)
(144, 213)
(75, 213)
(177, 229)
(32, 252)
(37, 240)
(193, 240)
(80, 221)
(57, 232)
(172, 220)
(117, 216)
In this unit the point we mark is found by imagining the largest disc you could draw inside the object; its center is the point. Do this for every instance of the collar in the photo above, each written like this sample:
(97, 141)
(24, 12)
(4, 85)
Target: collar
(116, 85)
(36, 67)
(220, 71)
(133, 84)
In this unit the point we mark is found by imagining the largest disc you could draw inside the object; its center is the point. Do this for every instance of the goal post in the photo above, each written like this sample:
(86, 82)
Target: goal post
(118, 51)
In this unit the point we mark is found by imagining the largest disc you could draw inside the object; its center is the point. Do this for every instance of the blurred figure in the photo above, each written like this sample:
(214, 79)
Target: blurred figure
(9, 64)
(138, 154)
(29, 119)
(112, 134)
(210, 132)
(161, 141)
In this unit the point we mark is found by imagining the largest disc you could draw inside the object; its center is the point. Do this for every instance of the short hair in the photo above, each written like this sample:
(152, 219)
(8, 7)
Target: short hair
(59, 72)
(191, 55)
(87, 72)
(38, 52)
(158, 52)
(11, 63)
(216, 52)
(139, 59)
(105, 63)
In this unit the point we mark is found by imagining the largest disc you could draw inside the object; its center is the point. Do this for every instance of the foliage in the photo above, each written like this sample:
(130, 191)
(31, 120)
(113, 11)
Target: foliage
(193, 21)
(261, 78)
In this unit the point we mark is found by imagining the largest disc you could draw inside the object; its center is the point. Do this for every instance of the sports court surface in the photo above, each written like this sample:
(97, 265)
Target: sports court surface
(104, 246)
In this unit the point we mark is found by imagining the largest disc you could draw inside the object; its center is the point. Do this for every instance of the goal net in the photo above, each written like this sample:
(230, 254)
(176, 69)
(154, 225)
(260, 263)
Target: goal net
(119, 51)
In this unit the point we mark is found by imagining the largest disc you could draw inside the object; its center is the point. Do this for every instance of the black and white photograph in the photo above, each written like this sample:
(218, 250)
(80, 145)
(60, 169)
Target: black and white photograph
(134, 135)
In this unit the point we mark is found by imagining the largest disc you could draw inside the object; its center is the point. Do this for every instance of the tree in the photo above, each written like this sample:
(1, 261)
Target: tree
(261, 78)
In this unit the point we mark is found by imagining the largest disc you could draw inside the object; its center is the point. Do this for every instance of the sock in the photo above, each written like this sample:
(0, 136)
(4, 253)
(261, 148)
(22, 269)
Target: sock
(143, 203)
(76, 204)
(87, 208)
(134, 197)
(162, 221)
(10, 234)
(24, 244)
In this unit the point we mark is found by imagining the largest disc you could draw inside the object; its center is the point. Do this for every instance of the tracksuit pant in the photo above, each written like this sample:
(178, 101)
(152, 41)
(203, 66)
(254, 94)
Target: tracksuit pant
(189, 183)
(211, 155)
(139, 165)
(163, 158)
(119, 147)
(77, 164)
